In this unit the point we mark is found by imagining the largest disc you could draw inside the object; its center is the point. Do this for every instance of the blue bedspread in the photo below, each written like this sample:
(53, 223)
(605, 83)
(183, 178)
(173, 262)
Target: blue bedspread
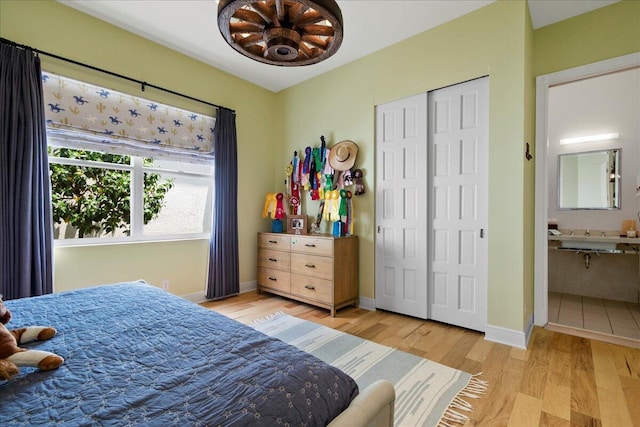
(136, 355)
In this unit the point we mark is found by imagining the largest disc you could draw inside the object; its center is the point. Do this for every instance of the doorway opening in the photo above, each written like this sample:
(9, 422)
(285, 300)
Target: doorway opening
(549, 282)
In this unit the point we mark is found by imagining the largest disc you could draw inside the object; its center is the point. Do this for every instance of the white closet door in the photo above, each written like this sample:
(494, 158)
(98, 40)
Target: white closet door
(458, 149)
(401, 206)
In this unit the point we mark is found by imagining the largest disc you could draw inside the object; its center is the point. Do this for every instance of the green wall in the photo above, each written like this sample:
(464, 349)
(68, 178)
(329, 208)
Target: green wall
(58, 29)
(182, 263)
(528, 231)
(604, 33)
(342, 104)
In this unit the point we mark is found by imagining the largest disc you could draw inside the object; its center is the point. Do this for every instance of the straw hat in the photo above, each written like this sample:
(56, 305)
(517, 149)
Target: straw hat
(343, 155)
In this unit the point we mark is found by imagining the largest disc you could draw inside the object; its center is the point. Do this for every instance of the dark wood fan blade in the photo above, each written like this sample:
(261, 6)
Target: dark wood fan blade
(245, 27)
(295, 12)
(316, 51)
(318, 30)
(315, 41)
(250, 40)
(280, 10)
(256, 49)
(249, 16)
(264, 10)
(305, 50)
(310, 17)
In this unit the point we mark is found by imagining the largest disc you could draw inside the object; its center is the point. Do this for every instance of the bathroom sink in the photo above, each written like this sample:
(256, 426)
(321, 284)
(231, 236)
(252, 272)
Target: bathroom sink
(587, 244)
(594, 242)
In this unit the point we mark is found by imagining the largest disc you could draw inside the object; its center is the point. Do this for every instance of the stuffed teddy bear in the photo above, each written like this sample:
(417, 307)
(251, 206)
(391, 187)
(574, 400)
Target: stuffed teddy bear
(12, 356)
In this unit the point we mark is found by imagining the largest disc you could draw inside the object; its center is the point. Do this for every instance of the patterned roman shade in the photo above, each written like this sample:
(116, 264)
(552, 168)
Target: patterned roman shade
(82, 115)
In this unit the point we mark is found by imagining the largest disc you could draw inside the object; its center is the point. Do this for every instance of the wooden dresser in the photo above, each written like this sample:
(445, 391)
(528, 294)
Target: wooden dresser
(318, 269)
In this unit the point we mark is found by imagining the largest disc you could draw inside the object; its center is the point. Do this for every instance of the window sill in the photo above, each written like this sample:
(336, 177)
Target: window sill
(67, 243)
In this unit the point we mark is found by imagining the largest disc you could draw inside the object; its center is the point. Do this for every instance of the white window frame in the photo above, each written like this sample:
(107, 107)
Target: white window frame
(137, 170)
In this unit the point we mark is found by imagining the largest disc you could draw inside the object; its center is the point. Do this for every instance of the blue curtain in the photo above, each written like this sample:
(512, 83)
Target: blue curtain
(26, 233)
(224, 277)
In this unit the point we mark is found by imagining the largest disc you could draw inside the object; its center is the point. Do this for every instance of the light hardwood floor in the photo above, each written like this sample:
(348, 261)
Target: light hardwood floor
(560, 380)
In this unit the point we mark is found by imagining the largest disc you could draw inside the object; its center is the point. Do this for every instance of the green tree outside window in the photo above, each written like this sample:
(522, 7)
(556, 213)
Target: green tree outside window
(96, 200)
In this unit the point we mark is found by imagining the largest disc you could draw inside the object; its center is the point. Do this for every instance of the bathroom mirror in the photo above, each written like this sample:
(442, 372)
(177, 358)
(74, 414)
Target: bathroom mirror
(589, 180)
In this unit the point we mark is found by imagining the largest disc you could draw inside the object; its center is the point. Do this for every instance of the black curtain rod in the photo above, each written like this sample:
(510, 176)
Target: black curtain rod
(142, 84)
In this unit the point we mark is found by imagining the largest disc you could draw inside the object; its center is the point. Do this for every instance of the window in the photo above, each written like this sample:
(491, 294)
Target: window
(101, 196)
(124, 168)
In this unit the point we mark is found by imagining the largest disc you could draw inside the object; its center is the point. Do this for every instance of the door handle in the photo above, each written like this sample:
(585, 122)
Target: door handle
(482, 233)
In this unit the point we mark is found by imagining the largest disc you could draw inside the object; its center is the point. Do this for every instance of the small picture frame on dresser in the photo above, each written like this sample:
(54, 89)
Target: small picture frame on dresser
(297, 224)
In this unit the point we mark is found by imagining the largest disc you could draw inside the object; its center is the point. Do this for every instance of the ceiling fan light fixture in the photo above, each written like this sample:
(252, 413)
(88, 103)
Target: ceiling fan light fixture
(282, 32)
(282, 44)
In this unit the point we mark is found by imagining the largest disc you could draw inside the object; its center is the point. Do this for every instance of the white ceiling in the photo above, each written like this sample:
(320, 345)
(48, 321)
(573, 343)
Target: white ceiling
(190, 27)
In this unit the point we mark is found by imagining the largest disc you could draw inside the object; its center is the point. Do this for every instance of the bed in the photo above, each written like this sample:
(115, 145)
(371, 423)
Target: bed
(137, 355)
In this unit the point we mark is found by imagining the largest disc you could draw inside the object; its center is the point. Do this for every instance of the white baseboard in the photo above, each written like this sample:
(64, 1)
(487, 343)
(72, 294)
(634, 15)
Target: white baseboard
(511, 337)
(199, 297)
(529, 329)
(367, 303)
(248, 286)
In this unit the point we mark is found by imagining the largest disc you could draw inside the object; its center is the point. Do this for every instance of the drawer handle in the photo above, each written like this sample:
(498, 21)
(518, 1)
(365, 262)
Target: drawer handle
(310, 245)
(275, 242)
(310, 265)
(273, 260)
(273, 279)
(309, 287)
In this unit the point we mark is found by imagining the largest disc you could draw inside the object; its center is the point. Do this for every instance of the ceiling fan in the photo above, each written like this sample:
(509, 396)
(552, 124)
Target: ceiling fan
(282, 32)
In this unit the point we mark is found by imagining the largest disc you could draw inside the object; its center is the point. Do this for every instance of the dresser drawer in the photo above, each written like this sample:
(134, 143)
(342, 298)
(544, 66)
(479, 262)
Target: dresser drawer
(312, 287)
(312, 245)
(318, 269)
(274, 241)
(274, 259)
(312, 265)
(274, 279)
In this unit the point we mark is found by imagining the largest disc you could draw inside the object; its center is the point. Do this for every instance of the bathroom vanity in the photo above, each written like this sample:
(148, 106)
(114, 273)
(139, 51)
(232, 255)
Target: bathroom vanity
(595, 264)
(592, 241)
